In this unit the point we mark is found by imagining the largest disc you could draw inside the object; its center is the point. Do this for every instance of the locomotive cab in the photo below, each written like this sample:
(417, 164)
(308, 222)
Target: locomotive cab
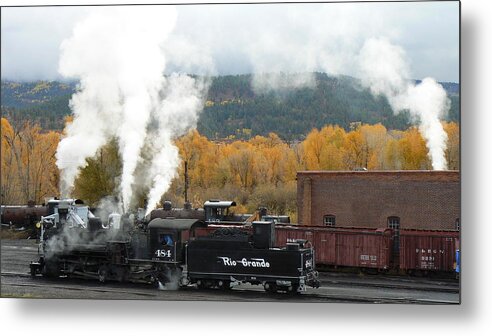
(218, 211)
(168, 237)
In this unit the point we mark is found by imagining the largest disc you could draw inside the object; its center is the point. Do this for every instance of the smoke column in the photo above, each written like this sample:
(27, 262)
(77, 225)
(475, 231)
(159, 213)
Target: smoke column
(117, 54)
(183, 99)
(385, 71)
(337, 45)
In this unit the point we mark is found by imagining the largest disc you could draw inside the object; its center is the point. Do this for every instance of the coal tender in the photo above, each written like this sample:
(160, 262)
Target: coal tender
(222, 259)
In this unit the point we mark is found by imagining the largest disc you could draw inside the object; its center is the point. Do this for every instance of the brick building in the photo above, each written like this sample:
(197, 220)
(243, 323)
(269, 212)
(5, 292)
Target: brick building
(377, 199)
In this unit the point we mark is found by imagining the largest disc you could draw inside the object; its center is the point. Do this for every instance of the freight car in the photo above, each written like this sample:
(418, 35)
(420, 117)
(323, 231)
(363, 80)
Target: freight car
(22, 217)
(370, 249)
(361, 248)
(76, 243)
(419, 251)
(349, 247)
(25, 217)
(428, 250)
(354, 247)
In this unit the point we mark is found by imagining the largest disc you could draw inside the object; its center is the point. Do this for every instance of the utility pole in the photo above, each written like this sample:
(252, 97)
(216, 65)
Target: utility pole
(186, 182)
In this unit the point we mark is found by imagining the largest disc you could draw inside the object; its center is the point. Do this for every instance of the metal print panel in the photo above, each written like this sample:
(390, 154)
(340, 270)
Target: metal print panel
(293, 152)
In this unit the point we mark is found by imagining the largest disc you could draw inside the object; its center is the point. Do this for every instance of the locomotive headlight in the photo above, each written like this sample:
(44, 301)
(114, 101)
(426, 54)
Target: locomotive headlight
(38, 225)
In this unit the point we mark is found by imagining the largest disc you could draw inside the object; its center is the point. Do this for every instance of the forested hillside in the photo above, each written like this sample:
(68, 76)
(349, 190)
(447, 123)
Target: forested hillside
(233, 110)
(258, 172)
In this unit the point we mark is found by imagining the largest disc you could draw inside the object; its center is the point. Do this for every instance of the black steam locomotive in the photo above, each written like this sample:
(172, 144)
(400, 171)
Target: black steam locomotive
(168, 252)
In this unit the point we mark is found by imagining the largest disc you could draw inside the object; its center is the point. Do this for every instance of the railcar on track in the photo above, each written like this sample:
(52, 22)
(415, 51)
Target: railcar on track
(167, 252)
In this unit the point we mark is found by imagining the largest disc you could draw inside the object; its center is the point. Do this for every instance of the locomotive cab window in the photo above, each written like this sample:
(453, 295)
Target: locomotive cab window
(166, 239)
(329, 220)
(216, 213)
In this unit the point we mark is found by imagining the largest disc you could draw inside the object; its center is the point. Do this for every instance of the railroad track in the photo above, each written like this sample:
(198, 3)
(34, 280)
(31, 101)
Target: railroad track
(411, 286)
(52, 285)
(239, 293)
(435, 287)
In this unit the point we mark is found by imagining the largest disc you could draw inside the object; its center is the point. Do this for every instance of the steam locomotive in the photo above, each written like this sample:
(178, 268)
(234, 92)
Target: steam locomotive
(168, 251)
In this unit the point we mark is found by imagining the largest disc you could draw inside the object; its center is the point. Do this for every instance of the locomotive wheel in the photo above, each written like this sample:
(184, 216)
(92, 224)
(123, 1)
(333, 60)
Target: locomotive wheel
(103, 274)
(293, 289)
(155, 282)
(50, 269)
(270, 287)
(209, 283)
(224, 284)
(33, 270)
(204, 284)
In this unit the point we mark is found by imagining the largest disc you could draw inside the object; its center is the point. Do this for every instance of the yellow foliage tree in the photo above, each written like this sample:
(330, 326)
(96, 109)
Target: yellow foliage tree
(356, 150)
(100, 177)
(453, 145)
(375, 137)
(413, 150)
(28, 163)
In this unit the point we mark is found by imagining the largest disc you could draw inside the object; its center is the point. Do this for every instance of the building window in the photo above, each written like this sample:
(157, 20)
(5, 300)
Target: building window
(394, 224)
(329, 220)
(457, 224)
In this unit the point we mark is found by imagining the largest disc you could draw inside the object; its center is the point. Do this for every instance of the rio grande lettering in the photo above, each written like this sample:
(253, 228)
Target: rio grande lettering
(253, 262)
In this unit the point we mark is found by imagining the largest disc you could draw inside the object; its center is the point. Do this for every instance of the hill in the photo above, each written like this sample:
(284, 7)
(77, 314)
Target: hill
(233, 108)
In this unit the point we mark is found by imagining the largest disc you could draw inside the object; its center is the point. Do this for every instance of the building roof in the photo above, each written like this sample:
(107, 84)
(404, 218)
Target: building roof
(448, 175)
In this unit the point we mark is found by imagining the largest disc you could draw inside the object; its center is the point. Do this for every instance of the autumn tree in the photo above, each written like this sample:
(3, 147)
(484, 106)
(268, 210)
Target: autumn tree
(356, 150)
(100, 177)
(28, 163)
(323, 149)
(375, 137)
(392, 159)
(9, 190)
(332, 154)
(313, 146)
(242, 163)
(413, 150)
(452, 152)
(199, 153)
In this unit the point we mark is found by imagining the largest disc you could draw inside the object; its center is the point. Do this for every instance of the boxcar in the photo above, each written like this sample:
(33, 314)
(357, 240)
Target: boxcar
(428, 250)
(352, 247)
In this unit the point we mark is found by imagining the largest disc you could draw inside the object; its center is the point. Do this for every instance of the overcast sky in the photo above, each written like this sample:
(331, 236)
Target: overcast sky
(233, 39)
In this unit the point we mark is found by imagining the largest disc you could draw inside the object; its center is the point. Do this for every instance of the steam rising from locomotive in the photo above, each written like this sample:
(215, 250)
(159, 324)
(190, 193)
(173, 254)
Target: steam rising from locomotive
(120, 55)
(117, 54)
(385, 71)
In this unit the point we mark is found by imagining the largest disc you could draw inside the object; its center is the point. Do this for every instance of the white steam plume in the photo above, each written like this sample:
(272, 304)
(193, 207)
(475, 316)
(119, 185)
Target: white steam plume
(385, 71)
(328, 37)
(118, 55)
(177, 114)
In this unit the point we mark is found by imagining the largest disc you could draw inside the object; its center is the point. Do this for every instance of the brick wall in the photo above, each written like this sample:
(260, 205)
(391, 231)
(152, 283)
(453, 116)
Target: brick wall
(421, 199)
